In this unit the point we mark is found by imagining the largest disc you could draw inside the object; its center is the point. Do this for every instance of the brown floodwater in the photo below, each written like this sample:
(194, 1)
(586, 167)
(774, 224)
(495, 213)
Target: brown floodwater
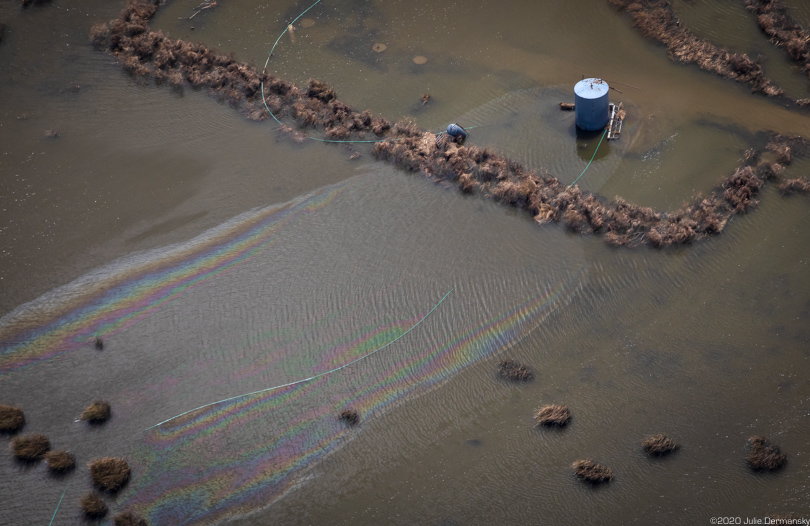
(216, 257)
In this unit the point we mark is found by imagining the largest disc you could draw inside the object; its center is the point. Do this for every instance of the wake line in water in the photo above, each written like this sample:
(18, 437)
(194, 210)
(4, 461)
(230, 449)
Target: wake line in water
(311, 377)
(246, 453)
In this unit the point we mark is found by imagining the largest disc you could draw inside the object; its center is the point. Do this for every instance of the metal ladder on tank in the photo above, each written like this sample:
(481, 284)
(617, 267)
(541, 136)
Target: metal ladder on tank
(615, 122)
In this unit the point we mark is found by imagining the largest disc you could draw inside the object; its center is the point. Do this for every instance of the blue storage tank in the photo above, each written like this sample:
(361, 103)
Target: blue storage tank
(591, 99)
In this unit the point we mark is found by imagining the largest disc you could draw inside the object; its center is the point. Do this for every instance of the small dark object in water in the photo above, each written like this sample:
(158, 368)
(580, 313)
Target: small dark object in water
(12, 418)
(350, 416)
(92, 506)
(109, 474)
(425, 98)
(764, 456)
(99, 344)
(590, 471)
(51, 134)
(659, 445)
(60, 461)
(514, 371)
(29, 448)
(553, 415)
(127, 518)
(567, 106)
(97, 412)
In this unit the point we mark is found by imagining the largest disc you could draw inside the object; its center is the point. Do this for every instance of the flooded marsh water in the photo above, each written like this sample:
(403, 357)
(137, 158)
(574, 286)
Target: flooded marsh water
(216, 257)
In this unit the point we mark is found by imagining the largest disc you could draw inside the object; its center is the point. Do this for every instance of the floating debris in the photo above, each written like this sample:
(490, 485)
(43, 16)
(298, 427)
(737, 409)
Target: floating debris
(514, 371)
(379, 47)
(60, 461)
(97, 413)
(51, 134)
(659, 445)
(307, 23)
(29, 448)
(350, 417)
(419, 59)
(553, 415)
(763, 455)
(207, 4)
(590, 471)
(425, 98)
(109, 474)
(12, 418)
(99, 343)
(568, 106)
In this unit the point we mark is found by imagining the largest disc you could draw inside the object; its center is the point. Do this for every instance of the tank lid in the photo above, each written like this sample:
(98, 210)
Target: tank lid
(591, 88)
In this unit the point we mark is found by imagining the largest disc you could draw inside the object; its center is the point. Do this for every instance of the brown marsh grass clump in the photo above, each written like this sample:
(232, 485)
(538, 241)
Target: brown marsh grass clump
(12, 418)
(60, 461)
(127, 518)
(109, 474)
(350, 417)
(514, 371)
(764, 456)
(96, 413)
(656, 20)
(799, 185)
(93, 506)
(782, 29)
(659, 445)
(30, 448)
(591, 472)
(553, 415)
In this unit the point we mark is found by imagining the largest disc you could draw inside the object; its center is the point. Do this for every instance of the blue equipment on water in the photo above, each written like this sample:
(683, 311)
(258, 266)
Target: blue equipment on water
(454, 130)
(591, 104)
